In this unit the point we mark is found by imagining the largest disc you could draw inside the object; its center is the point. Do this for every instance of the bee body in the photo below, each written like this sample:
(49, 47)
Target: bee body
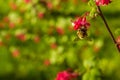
(82, 33)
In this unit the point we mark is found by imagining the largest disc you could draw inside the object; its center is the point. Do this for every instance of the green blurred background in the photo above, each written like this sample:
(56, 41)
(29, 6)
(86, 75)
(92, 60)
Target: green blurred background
(37, 40)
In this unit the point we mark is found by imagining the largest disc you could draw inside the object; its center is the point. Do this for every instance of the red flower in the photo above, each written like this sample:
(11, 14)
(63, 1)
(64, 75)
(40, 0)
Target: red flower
(66, 75)
(40, 15)
(13, 6)
(11, 25)
(60, 30)
(21, 37)
(53, 45)
(36, 39)
(81, 21)
(47, 62)
(1, 43)
(27, 1)
(119, 46)
(49, 5)
(2, 25)
(15, 53)
(6, 19)
(102, 2)
(118, 40)
(7, 36)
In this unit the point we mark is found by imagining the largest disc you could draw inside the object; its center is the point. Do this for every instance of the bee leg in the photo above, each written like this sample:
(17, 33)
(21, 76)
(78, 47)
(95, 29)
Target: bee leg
(76, 39)
(89, 39)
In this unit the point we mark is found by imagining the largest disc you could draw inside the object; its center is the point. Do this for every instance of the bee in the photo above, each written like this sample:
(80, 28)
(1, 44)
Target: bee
(81, 33)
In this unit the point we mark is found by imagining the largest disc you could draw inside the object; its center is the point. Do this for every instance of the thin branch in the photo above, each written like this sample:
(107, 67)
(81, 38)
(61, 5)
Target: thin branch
(107, 26)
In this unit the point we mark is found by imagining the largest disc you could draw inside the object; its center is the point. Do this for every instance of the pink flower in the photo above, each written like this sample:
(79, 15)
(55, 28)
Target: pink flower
(81, 21)
(102, 2)
(66, 75)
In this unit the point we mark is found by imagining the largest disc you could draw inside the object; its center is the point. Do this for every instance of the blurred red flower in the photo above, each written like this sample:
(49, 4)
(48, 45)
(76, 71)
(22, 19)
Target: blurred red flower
(49, 5)
(1, 43)
(13, 6)
(21, 37)
(60, 30)
(7, 36)
(2, 25)
(47, 62)
(102, 2)
(40, 15)
(53, 45)
(11, 25)
(6, 19)
(118, 40)
(36, 39)
(66, 75)
(27, 1)
(15, 53)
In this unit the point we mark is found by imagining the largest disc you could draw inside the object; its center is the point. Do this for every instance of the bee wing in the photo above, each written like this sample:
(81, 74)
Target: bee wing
(89, 38)
(76, 39)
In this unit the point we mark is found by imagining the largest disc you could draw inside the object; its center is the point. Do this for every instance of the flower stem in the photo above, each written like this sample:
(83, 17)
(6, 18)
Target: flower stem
(106, 25)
